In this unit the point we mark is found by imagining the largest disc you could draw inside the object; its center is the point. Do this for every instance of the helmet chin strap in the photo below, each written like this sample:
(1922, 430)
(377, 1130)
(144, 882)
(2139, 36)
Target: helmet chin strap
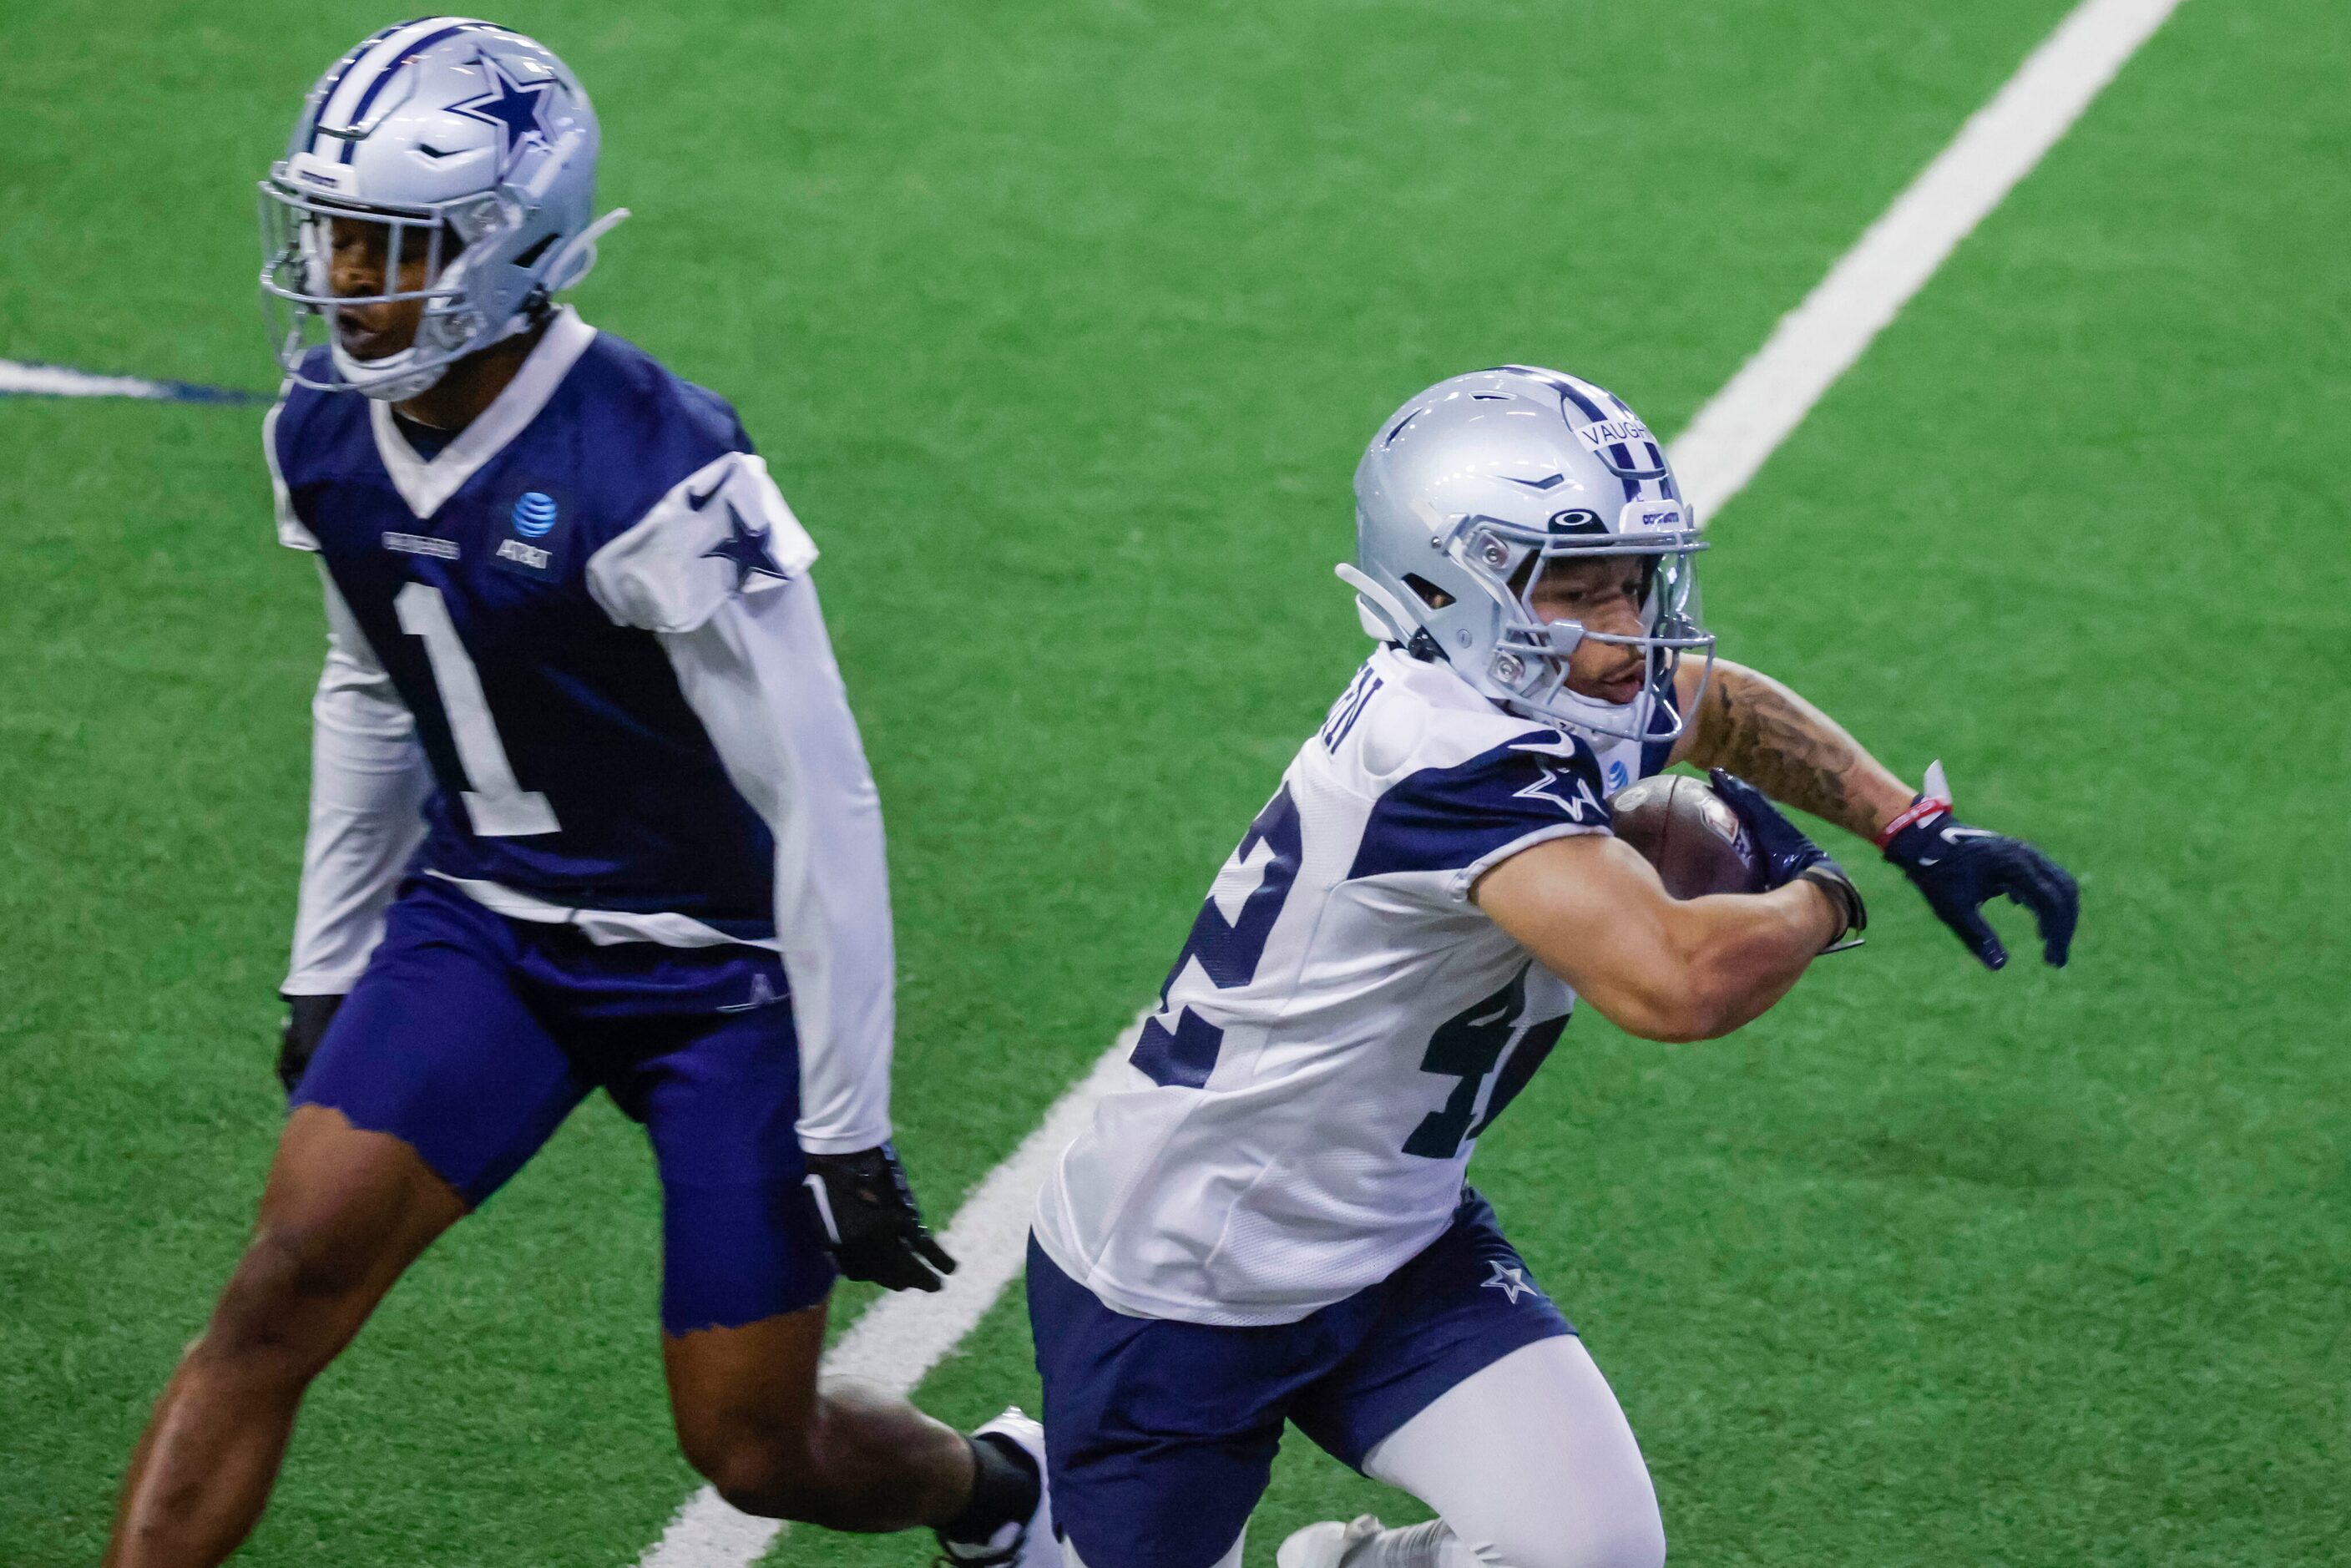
(395, 378)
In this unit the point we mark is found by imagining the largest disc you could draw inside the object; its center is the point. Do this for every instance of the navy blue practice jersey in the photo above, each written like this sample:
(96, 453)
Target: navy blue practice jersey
(566, 761)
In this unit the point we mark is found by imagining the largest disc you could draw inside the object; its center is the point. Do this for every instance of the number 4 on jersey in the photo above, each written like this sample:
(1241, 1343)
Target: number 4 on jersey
(1466, 1046)
(1178, 1046)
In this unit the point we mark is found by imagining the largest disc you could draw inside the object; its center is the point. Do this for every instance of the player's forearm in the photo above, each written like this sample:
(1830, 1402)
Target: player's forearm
(1595, 914)
(1738, 954)
(839, 962)
(1757, 729)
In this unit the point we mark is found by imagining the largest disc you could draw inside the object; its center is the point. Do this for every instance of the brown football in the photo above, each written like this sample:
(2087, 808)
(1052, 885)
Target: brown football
(1681, 826)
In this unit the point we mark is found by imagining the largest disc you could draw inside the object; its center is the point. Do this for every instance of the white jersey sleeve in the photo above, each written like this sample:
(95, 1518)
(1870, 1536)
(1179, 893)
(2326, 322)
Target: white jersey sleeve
(1342, 1023)
(368, 781)
(746, 638)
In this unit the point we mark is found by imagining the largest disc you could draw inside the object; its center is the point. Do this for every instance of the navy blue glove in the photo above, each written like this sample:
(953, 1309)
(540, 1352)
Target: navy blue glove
(866, 1209)
(1787, 855)
(1961, 869)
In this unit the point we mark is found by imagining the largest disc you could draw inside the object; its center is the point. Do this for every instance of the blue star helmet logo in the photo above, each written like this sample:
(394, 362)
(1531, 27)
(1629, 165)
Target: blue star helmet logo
(746, 548)
(518, 108)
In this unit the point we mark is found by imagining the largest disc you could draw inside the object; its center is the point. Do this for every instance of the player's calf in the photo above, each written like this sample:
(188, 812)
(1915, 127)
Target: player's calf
(755, 1421)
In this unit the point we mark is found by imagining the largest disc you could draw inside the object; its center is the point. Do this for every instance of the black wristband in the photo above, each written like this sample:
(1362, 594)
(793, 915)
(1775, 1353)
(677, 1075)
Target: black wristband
(1830, 878)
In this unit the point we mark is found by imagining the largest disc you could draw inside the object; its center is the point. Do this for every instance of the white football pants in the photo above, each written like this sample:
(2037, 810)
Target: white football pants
(1529, 1464)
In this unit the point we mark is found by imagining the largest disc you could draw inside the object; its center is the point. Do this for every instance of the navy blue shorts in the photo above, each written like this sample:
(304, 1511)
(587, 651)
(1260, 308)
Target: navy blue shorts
(472, 1036)
(1160, 1436)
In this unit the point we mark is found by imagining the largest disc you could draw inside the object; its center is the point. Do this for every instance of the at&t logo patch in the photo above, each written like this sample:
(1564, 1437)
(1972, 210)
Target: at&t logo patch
(534, 515)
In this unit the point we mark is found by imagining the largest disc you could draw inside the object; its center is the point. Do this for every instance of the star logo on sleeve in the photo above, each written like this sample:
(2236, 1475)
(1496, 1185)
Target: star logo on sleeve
(1510, 1280)
(745, 548)
(518, 108)
(1565, 789)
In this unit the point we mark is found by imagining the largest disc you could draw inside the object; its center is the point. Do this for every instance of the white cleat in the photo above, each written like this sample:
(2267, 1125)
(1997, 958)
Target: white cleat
(1324, 1545)
(1024, 1544)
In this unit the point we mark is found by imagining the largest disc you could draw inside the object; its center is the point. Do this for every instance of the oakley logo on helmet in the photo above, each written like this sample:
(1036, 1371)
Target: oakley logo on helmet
(1577, 520)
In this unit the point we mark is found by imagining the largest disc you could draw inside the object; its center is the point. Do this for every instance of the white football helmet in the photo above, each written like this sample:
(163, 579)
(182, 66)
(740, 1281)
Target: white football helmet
(1469, 486)
(472, 135)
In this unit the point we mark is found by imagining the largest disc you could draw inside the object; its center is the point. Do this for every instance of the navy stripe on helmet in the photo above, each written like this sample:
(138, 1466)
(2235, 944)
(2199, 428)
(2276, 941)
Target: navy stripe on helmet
(1591, 410)
(357, 116)
(342, 69)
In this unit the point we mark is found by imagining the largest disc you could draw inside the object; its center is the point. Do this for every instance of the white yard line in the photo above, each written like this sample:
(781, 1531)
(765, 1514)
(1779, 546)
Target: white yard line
(57, 381)
(902, 1337)
(1741, 425)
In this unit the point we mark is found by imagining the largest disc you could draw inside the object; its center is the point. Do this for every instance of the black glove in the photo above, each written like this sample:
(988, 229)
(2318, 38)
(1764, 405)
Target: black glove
(307, 1019)
(1789, 856)
(870, 1221)
(1961, 869)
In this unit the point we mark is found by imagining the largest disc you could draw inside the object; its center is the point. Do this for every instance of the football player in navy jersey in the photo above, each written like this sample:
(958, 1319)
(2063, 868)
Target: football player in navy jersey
(589, 809)
(1266, 1222)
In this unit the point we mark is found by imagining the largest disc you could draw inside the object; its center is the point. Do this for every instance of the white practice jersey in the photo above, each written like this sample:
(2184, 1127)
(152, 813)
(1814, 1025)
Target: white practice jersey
(1344, 1021)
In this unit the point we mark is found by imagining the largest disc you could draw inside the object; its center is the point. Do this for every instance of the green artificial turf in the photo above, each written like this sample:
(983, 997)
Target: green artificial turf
(1063, 325)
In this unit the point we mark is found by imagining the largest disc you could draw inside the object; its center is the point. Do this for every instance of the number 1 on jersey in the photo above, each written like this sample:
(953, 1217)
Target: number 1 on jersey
(497, 805)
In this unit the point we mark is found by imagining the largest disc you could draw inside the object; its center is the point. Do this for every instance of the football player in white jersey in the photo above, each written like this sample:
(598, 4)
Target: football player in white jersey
(1268, 1221)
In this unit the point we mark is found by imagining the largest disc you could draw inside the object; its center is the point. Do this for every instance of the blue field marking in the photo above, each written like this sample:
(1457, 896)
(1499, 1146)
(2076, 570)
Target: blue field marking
(22, 379)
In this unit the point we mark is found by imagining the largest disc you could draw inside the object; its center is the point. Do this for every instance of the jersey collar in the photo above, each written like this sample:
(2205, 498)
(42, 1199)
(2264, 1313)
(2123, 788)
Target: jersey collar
(426, 486)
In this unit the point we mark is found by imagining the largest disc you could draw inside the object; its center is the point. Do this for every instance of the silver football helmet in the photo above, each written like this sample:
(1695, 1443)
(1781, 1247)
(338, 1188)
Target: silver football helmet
(1471, 487)
(472, 139)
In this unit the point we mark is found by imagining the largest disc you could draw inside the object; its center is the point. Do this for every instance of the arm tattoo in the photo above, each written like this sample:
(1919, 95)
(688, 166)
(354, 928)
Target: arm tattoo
(1794, 753)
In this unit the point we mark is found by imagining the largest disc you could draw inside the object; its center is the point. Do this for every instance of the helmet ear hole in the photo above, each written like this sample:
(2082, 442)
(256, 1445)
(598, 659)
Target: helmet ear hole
(1430, 594)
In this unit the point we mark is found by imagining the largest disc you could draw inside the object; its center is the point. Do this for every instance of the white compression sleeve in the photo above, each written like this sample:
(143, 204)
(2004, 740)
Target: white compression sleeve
(759, 674)
(1529, 1464)
(368, 781)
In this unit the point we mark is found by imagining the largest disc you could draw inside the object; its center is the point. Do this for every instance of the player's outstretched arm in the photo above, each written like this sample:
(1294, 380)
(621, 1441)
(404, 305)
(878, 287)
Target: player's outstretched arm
(1757, 729)
(1594, 914)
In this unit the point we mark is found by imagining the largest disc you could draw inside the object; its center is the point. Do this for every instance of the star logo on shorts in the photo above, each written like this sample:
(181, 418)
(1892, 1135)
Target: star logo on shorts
(1508, 1279)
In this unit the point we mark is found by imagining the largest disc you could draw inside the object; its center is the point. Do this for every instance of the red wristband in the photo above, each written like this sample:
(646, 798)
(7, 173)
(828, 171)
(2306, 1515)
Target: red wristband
(1919, 810)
